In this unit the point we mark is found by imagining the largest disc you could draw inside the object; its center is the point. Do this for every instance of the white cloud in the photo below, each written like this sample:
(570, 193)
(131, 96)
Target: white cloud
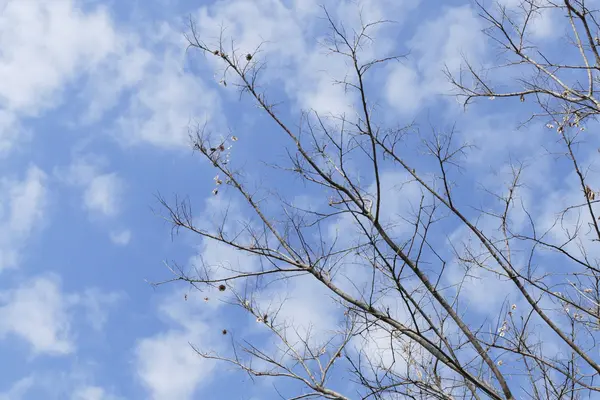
(374, 344)
(168, 366)
(75, 384)
(444, 40)
(165, 363)
(400, 195)
(305, 68)
(125, 70)
(43, 46)
(545, 23)
(11, 130)
(157, 98)
(102, 194)
(18, 389)
(27, 201)
(164, 105)
(304, 304)
(438, 43)
(55, 32)
(102, 191)
(95, 304)
(92, 393)
(404, 90)
(22, 205)
(38, 313)
(121, 237)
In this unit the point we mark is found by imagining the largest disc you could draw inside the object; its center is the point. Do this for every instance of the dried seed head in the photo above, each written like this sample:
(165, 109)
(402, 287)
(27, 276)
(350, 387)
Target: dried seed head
(589, 193)
(224, 331)
(222, 288)
(248, 57)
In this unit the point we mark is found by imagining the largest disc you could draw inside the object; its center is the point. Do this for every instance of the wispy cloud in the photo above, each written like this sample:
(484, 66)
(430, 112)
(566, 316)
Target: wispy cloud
(38, 312)
(23, 202)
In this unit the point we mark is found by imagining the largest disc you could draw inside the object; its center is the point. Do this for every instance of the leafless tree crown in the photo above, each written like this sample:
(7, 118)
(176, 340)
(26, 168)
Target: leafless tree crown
(540, 344)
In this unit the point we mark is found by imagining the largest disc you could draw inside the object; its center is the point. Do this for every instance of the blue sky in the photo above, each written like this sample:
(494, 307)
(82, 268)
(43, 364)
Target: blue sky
(96, 99)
